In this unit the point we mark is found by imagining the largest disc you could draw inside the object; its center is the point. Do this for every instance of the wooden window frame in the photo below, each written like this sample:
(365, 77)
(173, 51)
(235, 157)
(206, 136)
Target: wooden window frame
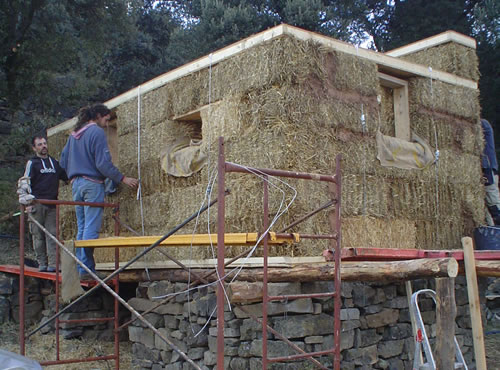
(401, 105)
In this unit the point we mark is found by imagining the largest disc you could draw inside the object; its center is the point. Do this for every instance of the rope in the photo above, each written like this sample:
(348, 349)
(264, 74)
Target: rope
(436, 161)
(139, 188)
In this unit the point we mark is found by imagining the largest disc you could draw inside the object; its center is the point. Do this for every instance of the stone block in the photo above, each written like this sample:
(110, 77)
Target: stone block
(385, 317)
(303, 325)
(142, 352)
(398, 331)
(142, 335)
(349, 314)
(374, 308)
(174, 366)
(315, 339)
(350, 325)
(250, 329)
(304, 305)
(4, 310)
(159, 288)
(346, 341)
(391, 348)
(365, 338)
(396, 364)
(239, 364)
(276, 289)
(71, 333)
(228, 342)
(209, 358)
(317, 308)
(7, 284)
(362, 356)
(397, 302)
(166, 356)
(363, 295)
(195, 353)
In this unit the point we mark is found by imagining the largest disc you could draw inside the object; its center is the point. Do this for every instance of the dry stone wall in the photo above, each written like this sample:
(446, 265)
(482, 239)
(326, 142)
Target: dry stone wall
(376, 329)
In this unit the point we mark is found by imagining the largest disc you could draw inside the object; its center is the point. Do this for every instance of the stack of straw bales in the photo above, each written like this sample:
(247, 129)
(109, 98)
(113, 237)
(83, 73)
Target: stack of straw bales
(294, 105)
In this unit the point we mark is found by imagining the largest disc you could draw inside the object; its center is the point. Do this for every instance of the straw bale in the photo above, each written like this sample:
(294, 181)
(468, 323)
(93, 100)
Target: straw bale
(450, 57)
(293, 105)
(443, 97)
(462, 136)
(378, 233)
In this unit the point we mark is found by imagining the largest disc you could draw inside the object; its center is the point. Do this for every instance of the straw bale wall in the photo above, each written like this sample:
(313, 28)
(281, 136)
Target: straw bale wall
(450, 57)
(294, 105)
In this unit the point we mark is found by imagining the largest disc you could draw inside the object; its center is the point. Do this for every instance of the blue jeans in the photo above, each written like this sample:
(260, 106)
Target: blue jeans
(88, 219)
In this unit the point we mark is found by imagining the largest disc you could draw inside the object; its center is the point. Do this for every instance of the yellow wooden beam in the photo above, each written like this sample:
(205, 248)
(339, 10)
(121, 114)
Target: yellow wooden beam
(178, 240)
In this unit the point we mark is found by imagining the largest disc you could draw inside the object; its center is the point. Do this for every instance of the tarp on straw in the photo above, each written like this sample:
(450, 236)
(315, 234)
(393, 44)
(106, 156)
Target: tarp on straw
(394, 152)
(183, 157)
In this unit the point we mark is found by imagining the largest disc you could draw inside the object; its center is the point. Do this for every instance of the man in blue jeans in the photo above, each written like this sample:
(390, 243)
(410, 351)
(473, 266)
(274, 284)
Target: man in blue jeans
(87, 161)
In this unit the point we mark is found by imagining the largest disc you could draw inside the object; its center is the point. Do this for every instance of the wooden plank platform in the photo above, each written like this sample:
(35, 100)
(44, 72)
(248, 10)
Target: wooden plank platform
(230, 239)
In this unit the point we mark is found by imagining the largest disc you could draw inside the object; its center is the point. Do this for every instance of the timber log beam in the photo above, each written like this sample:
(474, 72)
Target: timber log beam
(350, 271)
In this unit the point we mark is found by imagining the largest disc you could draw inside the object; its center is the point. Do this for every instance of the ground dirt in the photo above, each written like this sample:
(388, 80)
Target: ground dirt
(41, 347)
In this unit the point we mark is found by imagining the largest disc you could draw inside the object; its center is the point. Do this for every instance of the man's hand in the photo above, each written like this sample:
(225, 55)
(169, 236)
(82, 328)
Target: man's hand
(130, 182)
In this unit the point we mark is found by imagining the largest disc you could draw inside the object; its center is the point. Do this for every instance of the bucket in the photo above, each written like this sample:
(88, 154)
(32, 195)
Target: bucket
(487, 237)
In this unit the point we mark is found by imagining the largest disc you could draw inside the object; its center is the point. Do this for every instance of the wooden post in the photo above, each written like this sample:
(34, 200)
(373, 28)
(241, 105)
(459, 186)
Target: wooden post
(445, 322)
(475, 310)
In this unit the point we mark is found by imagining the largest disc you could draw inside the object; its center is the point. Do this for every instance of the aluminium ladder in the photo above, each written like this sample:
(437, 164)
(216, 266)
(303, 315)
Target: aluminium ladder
(422, 340)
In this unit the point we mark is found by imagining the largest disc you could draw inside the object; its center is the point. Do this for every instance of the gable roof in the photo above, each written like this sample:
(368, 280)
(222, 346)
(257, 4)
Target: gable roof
(386, 63)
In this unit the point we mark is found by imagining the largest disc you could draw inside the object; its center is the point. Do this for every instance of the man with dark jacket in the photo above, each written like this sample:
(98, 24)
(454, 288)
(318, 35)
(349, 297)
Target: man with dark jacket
(44, 173)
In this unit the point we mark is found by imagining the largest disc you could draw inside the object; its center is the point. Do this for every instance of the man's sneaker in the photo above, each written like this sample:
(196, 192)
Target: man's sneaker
(42, 268)
(52, 269)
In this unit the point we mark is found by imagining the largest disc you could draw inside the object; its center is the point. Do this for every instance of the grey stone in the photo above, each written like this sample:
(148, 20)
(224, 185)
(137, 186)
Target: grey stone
(141, 363)
(234, 323)
(317, 308)
(141, 305)
(228, 342)
(349, 314)
(157, 367)
(32, 312)
(195, 336)
(350, 325)
(153, 318)
(159, 343)
(300, 306)
(304, 325)
(174, 366)
(346, 341)
(397, 302)
(171, 322)
(365, 338)
(396, 364)
(239, 364)
(6, 285)
(206, 304)
(50, 327)
(195, 353)
(244, 349)
(142, 335)
(362, 356)
(159, 288)
(315, 339)
(140, 351)
(277, 289)
(383, 318)
(363, 295)
(374, 308)
(4, 310)
(177, 334)
(274, 348)
(399, 331)
(228, 332)
(250, 329)
(209, 358)
(390, 348)
(166, 356)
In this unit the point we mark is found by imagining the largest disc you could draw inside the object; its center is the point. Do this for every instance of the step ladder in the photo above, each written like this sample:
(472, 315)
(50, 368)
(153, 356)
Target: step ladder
(421, 339)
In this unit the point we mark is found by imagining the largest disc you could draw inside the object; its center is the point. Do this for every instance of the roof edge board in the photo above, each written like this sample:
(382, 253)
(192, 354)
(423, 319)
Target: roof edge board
(269, 34)
(442, 38)
(194, 66)
(382, 59)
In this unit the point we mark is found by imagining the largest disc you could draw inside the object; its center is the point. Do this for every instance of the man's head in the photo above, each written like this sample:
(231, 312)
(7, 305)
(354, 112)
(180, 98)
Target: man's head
(39, 145)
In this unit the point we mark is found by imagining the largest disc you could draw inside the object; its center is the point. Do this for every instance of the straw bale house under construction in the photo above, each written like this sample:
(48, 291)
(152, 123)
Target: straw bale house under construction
(291, 99)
